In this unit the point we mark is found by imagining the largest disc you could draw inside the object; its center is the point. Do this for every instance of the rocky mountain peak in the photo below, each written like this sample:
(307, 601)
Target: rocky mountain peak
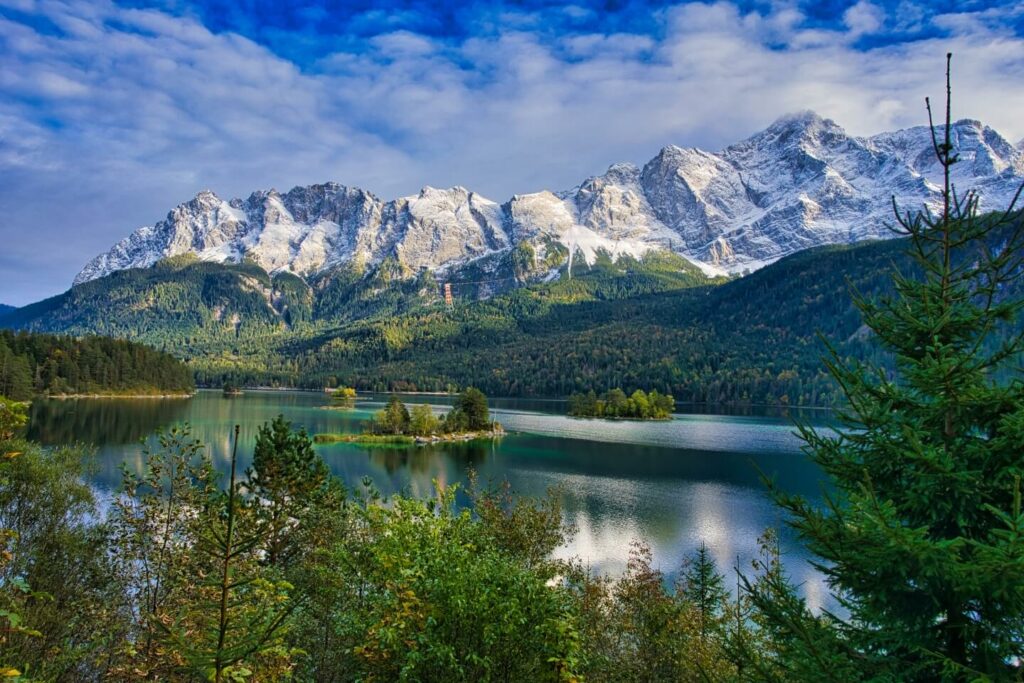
(669, 152)
(801, 182)
(622, 173)
(206, 196)
(800, 133)
(988, 163)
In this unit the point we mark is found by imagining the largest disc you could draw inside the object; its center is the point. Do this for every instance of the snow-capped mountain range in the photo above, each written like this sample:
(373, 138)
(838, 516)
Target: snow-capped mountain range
(800, 183)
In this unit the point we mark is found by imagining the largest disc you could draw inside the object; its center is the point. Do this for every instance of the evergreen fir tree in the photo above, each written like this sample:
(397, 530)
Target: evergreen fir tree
(286, 478)
(473, 404)
(704, 588)
(239, 615)
(923, 540)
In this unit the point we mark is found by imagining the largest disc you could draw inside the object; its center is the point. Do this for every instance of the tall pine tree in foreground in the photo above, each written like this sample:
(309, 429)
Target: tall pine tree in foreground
(234, 626)
(922, 540)
(287, 481)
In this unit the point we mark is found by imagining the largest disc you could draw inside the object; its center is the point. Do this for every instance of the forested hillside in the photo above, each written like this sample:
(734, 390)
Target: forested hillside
(185, 301)
(651, 324)
(32, 364)
(751, 340)
(172, 303)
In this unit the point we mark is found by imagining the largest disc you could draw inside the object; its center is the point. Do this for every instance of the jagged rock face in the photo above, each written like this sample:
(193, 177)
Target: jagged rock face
(694, 193)
(988, 163)
(607, 213)
(802, 182)
(614, 205)
(304, 231)
(438, 228)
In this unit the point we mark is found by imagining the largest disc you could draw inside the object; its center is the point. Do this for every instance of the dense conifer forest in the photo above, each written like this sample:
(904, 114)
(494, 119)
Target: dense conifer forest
(752, 340)
(656, 324)
(32, 364)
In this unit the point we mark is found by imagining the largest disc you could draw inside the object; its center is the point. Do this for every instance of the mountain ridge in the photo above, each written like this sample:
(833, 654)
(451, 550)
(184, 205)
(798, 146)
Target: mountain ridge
(801, 182)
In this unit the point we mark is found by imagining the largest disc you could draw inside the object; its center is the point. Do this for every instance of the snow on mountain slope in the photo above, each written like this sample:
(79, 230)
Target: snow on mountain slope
(800, 183)
(304, 231)
(441, 227)
(607, 213)
(804, 182)
(988, 162)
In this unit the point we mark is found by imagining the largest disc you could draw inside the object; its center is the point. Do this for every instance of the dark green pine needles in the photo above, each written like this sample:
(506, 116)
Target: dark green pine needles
(923, 537)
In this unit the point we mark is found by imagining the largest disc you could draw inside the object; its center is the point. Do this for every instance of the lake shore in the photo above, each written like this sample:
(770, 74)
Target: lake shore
(682, 407)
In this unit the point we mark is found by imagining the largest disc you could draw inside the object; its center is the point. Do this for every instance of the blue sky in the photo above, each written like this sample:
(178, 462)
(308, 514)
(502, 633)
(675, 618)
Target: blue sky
(111, 113)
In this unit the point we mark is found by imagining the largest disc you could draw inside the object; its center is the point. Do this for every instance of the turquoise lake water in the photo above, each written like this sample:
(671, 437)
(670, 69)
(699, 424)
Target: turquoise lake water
(670, 484)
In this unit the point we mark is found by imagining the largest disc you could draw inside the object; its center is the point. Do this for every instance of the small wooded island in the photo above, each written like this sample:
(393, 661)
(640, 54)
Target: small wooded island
(615, 404)
(342, 398)
(468, 419)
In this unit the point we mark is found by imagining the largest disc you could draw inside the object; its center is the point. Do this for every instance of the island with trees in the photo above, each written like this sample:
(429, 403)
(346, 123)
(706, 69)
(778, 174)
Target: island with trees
(468, 419)
(615, 404)
(342, 398)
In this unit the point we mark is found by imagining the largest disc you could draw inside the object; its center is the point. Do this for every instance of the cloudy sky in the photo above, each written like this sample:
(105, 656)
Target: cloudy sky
(113, 112)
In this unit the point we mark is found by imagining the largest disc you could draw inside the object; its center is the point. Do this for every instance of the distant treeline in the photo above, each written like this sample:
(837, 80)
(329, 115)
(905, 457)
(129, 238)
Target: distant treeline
(33, 364)
(638, 405)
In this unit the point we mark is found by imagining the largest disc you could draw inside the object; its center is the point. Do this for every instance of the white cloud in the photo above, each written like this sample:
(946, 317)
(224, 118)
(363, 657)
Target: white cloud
(55, 85)
(864, 18)
(107, 126)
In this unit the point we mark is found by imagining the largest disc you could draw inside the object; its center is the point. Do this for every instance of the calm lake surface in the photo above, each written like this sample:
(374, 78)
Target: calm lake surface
(671, 484)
